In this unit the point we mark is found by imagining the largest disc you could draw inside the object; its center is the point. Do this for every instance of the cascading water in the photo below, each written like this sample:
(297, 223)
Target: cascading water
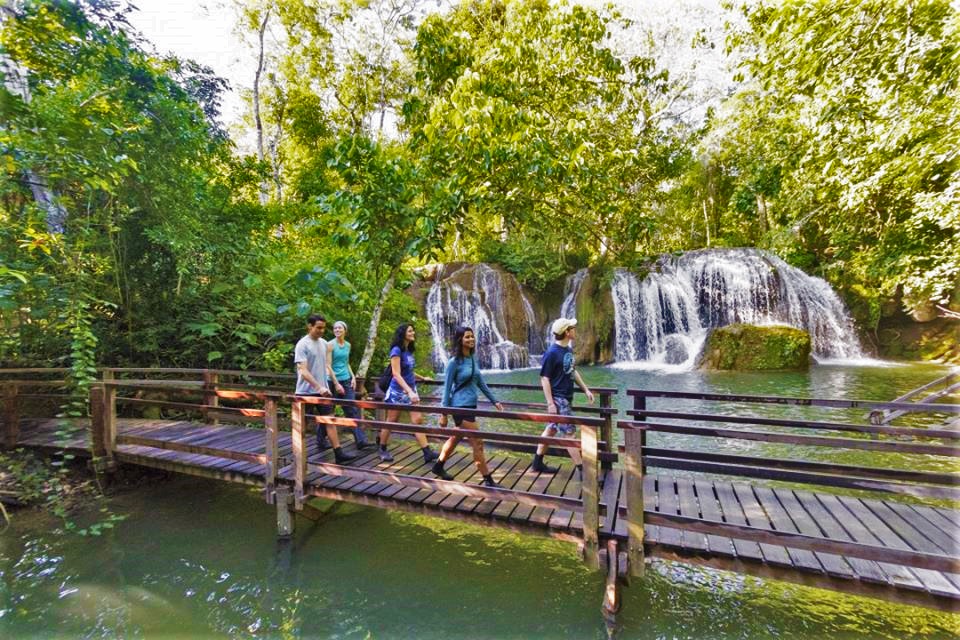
(570, 291)
(665, 317)
(476, 296)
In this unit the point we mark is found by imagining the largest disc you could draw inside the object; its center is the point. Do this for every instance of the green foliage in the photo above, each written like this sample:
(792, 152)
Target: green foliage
(550, 141)
(838, 150)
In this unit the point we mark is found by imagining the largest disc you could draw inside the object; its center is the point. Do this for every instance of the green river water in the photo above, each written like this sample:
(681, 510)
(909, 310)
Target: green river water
(200, 559)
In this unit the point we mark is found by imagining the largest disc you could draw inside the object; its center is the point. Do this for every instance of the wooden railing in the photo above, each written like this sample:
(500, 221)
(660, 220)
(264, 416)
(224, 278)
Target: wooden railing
(940, 388)
(638, 455)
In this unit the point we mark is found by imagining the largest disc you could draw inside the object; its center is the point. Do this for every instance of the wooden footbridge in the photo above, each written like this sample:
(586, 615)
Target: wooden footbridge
(695, 480)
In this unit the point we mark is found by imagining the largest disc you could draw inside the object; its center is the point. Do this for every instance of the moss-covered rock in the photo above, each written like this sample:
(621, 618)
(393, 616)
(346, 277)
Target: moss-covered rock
(595, 321)
(745, 347)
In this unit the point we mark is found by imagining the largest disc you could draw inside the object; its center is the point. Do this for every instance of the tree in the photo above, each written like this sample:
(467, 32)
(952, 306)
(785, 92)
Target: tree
(853, 108)
(542, 130)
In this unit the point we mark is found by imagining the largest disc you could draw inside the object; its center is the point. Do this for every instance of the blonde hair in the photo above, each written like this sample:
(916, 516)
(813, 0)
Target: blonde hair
(340, 323)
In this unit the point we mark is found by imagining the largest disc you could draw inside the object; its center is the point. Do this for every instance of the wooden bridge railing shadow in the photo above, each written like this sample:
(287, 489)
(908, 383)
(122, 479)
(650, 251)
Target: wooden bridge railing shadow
(818, 534)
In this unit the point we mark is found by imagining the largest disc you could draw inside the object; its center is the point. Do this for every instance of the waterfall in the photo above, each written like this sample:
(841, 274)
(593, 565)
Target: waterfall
(570, 291)
(665, 317)
(477, 296)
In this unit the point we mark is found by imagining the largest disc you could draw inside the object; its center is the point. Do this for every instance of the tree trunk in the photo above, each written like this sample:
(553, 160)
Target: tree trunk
(15, 81)
(264, 192)
(375, 324)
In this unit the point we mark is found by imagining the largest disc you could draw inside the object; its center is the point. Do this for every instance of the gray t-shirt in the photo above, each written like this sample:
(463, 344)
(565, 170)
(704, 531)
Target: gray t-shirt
(314, 353)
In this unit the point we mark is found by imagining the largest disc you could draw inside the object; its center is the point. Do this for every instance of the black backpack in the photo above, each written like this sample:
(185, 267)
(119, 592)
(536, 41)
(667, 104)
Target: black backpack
(384, 382)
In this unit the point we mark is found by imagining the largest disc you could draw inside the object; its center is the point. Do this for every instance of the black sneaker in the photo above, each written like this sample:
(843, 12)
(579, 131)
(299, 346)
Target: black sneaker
(488, 481)
(341, 457)
(541, 467)
(429, 455)
(438, 471)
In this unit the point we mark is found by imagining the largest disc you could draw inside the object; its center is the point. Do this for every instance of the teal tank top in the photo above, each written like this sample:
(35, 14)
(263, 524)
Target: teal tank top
(341, 360)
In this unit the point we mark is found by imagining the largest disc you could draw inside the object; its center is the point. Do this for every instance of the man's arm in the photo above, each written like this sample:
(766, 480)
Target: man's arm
(583, 385)
(548, 394)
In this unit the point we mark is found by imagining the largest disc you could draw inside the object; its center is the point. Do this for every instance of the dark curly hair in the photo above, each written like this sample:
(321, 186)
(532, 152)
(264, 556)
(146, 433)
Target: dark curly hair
(400, 335)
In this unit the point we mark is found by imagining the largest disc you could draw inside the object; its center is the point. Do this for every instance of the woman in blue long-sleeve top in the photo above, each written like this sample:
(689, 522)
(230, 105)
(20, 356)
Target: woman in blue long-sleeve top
(462, 380)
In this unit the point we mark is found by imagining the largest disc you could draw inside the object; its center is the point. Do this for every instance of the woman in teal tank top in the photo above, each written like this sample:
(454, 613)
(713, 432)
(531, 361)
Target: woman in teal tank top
(344, 383)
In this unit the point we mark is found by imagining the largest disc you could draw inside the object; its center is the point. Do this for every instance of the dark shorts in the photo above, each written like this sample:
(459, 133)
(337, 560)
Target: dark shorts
(317, 409)
(459, 420)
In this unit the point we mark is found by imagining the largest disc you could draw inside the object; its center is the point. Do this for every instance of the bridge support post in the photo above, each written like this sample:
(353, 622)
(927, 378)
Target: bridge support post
(633, 470)
(210, 398)
(298, 420)
(285, 519)
(11, 416)
(606, 432)
(591, 497)
(271, 449)
(611, 593)
(103, 420)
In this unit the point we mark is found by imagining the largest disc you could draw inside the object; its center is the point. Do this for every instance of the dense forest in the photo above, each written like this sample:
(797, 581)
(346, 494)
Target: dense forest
(390, 133)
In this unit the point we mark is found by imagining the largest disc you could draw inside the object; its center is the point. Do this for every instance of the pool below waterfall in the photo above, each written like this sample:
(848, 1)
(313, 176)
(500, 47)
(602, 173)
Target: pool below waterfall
(200, 559)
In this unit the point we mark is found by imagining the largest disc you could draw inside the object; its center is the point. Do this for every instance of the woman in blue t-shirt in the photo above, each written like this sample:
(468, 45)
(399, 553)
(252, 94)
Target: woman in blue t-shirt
(462, 380)
(403, 390)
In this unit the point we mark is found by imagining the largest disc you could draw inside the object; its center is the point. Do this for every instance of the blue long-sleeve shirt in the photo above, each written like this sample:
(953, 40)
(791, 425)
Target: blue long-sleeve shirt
(461, 381)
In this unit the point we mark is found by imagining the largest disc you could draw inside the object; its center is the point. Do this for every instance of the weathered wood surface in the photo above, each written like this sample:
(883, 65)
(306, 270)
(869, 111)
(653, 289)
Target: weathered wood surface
(191, 447)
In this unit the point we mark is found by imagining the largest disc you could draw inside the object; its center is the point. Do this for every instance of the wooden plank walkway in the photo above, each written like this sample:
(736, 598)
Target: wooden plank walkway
(895, 525)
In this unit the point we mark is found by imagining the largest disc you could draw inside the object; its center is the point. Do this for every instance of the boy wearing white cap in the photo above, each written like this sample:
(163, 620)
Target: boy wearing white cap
(557, 375)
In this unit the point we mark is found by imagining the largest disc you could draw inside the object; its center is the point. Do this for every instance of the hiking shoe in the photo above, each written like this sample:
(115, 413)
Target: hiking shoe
(438, 471)
(488, 481)
(541, 467)
(429, 455)
(341, 457)
(385, 456)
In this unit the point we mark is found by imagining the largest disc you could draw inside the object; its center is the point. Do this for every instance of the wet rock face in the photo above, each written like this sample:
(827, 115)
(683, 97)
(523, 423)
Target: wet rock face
(743, 347)
(491, 302)
(592, 306)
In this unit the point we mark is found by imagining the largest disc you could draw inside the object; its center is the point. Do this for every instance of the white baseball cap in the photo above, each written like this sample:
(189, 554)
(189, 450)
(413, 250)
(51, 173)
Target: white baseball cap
(560, 325)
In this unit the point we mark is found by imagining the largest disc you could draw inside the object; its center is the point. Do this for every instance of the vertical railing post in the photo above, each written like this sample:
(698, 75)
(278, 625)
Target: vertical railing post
(606, 432)
(633, 469)
(298, 444)
(271, 449)
(210, 397)
(640, 404)
(110, 422)
(11, 416)
(98, 440)
(591, 497)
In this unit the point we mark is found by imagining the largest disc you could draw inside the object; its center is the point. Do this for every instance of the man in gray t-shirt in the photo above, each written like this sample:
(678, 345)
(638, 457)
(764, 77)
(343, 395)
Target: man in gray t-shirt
(310, 355)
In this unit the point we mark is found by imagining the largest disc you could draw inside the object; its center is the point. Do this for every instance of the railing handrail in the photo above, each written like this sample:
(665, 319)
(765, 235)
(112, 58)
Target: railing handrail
(789, 438)
(600, 391)
(787, 400)
(923, 432)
